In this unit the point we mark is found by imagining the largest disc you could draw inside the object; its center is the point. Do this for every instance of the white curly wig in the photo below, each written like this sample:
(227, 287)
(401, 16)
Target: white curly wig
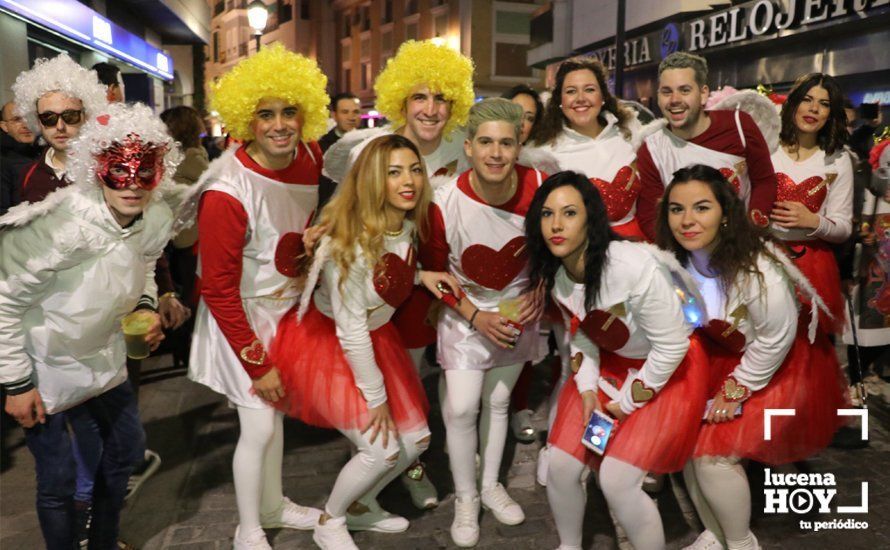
(113, 124)
(59, 74)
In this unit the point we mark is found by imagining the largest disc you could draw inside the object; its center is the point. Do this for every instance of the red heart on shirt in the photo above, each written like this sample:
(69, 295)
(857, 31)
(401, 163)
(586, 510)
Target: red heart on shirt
(495, 269)
(620, 194)
(724, 335)
(394, 279)
(608, 335)
(811, 192)
(759, 218)
(287, 254)
(733, 178)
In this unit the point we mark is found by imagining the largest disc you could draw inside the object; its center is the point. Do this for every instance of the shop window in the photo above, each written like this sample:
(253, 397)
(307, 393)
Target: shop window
(512, 22)
(386, 40)
(411, 31)
(285, 11)
(440, 24)
(510, 60)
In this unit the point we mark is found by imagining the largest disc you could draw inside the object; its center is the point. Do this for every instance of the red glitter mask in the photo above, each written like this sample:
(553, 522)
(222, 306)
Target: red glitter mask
(131, 162)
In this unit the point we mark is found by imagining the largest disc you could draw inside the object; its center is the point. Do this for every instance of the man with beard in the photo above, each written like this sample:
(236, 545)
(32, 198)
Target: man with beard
(18, 150)
(729, 141)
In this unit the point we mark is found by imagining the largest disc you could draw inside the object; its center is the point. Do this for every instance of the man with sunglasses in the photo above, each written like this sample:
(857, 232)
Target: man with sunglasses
(55, 97)
(72, 267)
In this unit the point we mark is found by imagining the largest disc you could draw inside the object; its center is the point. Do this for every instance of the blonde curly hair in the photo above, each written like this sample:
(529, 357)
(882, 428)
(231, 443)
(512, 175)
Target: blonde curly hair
(273, 72)
(424, 63)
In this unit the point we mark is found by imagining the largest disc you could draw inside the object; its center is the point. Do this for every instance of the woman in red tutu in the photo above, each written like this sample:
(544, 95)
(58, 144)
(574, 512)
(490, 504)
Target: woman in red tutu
(758, 348)
(632, 353)
(814, 175)
(342, 363)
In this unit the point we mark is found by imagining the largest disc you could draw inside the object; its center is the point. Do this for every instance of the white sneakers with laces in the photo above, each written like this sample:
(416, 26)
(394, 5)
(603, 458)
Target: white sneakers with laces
(706, 541)
(333, 535)
(254, 540)
(504, 508)
(465, 527)
(290, 515)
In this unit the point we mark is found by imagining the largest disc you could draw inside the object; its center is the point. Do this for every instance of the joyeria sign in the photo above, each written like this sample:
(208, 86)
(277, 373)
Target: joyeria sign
(801, 493)
(762, 17)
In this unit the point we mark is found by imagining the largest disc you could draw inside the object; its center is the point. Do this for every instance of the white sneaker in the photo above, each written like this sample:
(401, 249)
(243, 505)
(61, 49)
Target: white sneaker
(333, 535)
(523, 427)
(503, 507)
(423, 492)
(465, 527)
(706, 541)
(255, 540)
(543, 466)
(290, 515)
(374, 518)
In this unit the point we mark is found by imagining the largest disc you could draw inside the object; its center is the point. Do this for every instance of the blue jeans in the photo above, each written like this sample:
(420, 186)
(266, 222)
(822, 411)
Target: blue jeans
(123, 446)
(87, 450)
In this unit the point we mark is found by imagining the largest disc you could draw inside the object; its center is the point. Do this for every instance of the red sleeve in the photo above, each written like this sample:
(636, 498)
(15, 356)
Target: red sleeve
(651, 191)
(760, 170)
(433, 254)
(222, 227)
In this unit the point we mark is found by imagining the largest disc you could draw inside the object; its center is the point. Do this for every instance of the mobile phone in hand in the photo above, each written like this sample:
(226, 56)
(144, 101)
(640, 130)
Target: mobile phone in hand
(598, 432)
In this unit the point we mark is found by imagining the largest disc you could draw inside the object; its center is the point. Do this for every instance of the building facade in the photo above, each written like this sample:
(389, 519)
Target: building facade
(157, 44)
(746, 43)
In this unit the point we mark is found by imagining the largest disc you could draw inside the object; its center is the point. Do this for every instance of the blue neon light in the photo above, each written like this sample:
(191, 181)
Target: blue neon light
(83, 25)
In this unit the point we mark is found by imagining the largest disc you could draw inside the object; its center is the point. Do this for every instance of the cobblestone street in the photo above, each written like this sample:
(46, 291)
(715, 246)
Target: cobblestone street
(190, 504)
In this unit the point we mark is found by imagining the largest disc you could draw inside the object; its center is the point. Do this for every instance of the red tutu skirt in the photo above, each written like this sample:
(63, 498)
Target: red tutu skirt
(809, 381)
(319, 386)
(412, 319)
(660, 436)
(818, 264)
(631, 230)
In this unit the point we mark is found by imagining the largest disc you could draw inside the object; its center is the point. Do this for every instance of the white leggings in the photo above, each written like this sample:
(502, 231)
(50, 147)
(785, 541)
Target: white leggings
(718, 487)
(621, 484)
(256, 466)
(373, 467)
(464, 390)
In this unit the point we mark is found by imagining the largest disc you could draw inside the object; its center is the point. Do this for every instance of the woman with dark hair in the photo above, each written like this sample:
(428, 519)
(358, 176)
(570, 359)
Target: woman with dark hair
(814, 192)
(631, 352)
(532, 109)
(586, 130)
(759, 350)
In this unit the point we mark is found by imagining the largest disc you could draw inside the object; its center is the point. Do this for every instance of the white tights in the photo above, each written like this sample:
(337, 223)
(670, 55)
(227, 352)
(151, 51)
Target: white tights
(256, 466)
(718, 487)
(464, 390)
(373, 467)
(621, 484)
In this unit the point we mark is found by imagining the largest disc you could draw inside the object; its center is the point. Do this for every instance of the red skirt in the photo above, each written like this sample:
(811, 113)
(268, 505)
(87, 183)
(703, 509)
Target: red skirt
(631, 230)
(658, 437)
(809, 381)
(319, 386)
(816, 261)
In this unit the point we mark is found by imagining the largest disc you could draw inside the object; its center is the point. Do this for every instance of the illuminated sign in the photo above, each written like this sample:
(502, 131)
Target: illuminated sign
(79, 23)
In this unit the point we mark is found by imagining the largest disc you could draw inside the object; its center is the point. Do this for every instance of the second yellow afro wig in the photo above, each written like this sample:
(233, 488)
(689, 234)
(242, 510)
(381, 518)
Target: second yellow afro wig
(273, 72)
(441, 68)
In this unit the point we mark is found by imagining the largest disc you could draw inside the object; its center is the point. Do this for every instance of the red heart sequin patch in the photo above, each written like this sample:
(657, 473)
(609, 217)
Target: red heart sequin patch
(732, 178)
(620, 194)
(394, 279)
(289, 250)
(495, 269)
(811, 192)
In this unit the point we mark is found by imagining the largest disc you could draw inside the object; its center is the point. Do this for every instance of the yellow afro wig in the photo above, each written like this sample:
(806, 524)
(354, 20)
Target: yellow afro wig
(444, 70)
(273, 72)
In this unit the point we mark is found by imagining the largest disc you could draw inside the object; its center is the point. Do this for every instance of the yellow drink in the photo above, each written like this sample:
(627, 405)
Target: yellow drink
(136, 327)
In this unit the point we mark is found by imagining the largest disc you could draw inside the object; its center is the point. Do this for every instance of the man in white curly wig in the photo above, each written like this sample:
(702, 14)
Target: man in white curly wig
(73, 265)
(56, 97)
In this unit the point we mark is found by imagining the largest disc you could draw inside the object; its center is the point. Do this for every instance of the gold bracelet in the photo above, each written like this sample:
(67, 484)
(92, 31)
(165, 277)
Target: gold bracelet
(170, 294)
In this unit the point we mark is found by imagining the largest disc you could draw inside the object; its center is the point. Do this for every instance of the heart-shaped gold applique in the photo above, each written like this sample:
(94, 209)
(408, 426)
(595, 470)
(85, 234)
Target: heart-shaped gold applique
(576, 362)
(640, 393)
(733, 391)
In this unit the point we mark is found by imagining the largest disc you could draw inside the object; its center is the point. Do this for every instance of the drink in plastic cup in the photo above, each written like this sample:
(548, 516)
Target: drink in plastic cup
(136, 326)
(509, 310)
